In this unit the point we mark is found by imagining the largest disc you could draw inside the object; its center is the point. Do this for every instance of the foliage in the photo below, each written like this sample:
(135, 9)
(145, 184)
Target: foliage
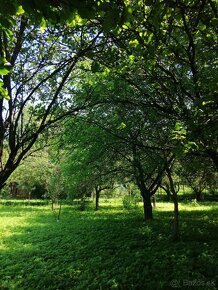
(85, 163)
(39, 253)
(40, 89)
(167, 55)
(111, 13)
(130, 202)
(33, 174)
(199, 174)
(154, 61)
(55, 184)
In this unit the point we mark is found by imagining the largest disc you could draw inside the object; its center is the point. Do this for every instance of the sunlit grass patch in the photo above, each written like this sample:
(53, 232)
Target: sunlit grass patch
(112, 248)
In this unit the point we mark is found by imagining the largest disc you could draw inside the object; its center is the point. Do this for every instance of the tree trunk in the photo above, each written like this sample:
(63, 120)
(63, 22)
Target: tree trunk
(97, 196)
(176, 218)
(3, 178)
(147, 206)
(53, 204)
(146, 200)
(168, 192)
(7, 170)
(59, 212)
(199, 195)
(176, 234)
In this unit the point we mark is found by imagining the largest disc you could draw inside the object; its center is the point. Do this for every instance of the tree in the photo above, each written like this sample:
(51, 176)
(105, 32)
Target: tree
(42, 88)
(167, 53)
(56, 187)
(142, 141)
(198, 173)
(129, 138)
(85, 161)
(155, 61)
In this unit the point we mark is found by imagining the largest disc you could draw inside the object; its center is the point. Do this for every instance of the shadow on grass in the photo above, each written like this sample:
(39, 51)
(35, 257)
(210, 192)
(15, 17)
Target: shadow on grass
(108, 249)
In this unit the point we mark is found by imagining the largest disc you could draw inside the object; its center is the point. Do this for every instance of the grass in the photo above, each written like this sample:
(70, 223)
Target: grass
(112, 248)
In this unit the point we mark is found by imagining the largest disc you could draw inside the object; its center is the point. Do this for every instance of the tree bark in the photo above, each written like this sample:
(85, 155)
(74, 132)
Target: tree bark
(176, 218)
(97, 196)
(147, 209)
(176, 233)
(199, 195)
(148, 215)
(6, 172)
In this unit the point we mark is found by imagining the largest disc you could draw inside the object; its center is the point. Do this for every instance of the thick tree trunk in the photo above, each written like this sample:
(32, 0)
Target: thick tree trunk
(8, 169)
(4, 175)
(146, 200)
(147, 209)
(199, 195)
(146, 203)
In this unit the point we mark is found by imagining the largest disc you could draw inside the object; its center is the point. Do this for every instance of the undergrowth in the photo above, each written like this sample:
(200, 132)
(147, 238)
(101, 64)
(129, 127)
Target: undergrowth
(112, 248)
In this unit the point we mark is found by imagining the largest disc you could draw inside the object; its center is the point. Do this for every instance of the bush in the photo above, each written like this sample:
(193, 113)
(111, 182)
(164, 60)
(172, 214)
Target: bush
(130, 201)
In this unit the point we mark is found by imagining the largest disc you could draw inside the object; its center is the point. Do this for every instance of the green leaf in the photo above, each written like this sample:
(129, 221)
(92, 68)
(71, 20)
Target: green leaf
(134, 42)
(3, 71)
(150, 38)
(5, 67)
(122, 126)
(20, 10)
(43, 25)
(177, 126)
(3, 92)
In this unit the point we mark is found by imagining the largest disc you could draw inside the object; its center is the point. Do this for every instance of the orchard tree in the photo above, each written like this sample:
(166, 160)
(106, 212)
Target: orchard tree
(85, 161)
(42, 88)
(139, 137)
(199, 174)
(152, 58)
(167, 52)
(139, 147)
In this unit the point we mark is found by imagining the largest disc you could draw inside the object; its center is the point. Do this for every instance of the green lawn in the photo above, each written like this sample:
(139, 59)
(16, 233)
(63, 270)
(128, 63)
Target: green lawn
(112, 248)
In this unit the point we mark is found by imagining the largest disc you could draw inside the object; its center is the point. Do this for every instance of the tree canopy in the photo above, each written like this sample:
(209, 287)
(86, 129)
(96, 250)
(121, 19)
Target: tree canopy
(142, 75)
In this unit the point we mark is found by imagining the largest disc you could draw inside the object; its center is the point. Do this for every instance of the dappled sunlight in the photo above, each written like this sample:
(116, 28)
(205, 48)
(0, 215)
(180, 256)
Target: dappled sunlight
(93, 247)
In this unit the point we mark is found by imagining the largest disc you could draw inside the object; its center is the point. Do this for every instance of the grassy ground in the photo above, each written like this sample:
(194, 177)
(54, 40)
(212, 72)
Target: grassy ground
(112, 248)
